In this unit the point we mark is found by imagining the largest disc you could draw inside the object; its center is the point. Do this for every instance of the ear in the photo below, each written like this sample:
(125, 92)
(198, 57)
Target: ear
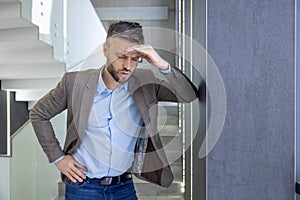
(105, 49)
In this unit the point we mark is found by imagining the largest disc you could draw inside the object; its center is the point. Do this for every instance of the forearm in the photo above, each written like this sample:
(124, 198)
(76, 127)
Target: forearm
(45, 135)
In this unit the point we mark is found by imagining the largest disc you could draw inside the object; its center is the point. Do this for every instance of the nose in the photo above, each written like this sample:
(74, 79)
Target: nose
(127, 63)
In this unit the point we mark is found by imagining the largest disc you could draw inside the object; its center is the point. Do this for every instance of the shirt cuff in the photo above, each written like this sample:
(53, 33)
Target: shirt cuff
(58, 159)
(166, 71)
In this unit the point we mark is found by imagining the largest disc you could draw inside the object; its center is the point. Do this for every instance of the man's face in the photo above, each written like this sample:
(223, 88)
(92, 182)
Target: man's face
(120, 64)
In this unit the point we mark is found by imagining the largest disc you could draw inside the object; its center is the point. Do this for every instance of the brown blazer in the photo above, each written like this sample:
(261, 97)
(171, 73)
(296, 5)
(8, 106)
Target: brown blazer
(75, 92)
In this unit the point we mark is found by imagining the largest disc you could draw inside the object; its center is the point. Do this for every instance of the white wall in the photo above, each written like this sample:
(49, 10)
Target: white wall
(23, 165)
(5, 179)
(84, 37)
(31, 176)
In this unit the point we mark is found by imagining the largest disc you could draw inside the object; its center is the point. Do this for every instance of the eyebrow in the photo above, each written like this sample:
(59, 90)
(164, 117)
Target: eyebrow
(122, 54)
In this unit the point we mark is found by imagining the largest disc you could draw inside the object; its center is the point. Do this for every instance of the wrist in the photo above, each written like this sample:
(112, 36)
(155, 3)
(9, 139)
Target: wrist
(166, 71)
(164, 65)
(58, 159)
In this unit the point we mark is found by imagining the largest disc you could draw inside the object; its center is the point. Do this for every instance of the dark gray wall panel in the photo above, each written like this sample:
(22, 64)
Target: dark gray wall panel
(19, 113)
(3, 123)
(252, 43)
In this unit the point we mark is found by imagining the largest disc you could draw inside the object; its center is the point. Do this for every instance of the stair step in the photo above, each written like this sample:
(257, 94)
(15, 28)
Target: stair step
(148, 189)
(30, 55)
(26, 44)
(169, 130)
(10, 9)
(172, 142)
(29, 84)
(1, 1)
(31, 71)
(8, 23)
(168, 119)
(15, 35)
(171, 110)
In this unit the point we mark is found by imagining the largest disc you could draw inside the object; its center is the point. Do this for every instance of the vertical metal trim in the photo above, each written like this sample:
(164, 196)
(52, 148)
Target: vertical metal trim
(65, 30)
(206, 92)
(180, 113)
(297, 113)
(8, 123)
(191, 77)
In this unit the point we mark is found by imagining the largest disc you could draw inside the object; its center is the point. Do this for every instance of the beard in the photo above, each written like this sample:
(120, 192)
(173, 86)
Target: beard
(114, 73)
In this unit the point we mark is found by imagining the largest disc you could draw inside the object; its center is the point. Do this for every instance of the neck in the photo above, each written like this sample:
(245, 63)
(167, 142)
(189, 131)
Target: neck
(108, 80)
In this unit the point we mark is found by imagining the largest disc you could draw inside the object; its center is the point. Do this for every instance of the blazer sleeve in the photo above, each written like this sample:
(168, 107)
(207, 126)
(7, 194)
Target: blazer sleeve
(46, 108)
(176, 87)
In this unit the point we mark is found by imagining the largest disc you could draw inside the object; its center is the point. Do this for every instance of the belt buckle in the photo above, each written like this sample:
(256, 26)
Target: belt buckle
(106, 181)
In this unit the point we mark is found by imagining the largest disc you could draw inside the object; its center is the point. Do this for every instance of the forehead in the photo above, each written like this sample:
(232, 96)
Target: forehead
(120, 44)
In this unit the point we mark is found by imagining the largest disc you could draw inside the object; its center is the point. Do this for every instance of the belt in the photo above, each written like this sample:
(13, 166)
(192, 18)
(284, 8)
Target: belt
(112, 180)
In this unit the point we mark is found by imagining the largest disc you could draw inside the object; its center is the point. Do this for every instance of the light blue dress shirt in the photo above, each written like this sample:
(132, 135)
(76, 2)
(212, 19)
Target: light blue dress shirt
(112, 129)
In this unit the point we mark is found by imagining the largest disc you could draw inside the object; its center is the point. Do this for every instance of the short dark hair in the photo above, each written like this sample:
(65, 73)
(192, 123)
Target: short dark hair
(131, 31)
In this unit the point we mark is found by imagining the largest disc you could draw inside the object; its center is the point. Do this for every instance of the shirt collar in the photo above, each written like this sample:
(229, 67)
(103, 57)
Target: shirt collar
(101, 87)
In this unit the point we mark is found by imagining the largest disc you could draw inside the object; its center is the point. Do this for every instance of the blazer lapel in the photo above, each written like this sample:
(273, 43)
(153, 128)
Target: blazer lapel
(86, 103)
(134, 87)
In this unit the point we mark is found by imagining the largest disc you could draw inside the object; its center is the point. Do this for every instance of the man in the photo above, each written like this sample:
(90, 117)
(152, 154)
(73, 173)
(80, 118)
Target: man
(112, 119)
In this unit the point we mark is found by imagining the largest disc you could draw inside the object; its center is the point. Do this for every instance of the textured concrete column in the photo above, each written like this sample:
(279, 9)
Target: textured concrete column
(252, 43)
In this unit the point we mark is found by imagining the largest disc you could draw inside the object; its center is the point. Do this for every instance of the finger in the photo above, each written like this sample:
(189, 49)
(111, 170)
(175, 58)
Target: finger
(70, 177)
(75, 177)
(80, 166)
(71, 168)
(76, 169)
(77, 172)
(144, 53)
(74, 164)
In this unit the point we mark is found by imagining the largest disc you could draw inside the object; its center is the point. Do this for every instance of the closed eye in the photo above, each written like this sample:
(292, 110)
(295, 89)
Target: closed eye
(136, 59)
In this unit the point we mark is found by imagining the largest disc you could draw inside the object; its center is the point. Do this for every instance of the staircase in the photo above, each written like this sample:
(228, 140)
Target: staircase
(27, 66)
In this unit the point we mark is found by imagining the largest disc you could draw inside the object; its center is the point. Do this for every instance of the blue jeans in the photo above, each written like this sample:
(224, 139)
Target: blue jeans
(92, 190)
